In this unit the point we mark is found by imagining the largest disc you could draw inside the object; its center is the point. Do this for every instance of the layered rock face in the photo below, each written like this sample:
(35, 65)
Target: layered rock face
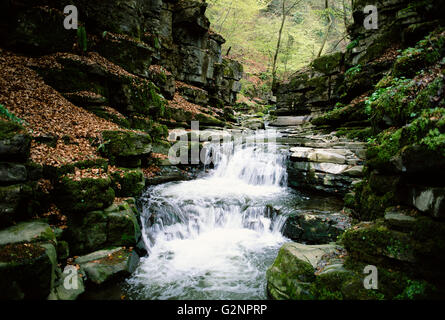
(340, 77)
(84, 124)
(166, 42)
(392, 96)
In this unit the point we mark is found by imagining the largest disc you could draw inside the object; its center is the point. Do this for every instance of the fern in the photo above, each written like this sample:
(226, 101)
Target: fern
(5, 113)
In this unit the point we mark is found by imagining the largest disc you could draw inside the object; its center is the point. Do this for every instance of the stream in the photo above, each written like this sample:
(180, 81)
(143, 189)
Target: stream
(215, 237)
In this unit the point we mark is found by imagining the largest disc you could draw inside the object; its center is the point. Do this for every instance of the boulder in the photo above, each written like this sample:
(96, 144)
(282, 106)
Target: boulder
(70, 285)
(126, 147)
(288, 121)
(11, 173)
(14, 145)
(28, 261)
(131, 54)
(429, 200)
(317, 155)
(13, 202)
(291, 275)
(27, 232)
(104, 265)
(115, 226)
(83, 195)
(316, 228)
(128, 182)
(28, 270)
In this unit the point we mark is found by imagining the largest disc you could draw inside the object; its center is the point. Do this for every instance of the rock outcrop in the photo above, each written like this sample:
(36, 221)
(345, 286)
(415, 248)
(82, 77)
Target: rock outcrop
(386, 89)
(103, 97)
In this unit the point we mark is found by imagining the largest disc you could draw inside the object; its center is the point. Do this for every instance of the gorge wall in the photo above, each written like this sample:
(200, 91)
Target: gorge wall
(387, 89)
(84, 124)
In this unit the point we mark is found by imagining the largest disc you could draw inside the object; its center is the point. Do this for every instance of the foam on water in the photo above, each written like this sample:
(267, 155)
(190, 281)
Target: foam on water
(214, 238)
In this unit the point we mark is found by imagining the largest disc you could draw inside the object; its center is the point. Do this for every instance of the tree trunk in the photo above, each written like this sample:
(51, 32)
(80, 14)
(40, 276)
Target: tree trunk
(275, 58)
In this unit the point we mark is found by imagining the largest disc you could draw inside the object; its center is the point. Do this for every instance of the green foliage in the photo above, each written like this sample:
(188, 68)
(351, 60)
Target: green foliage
(82, 38)
(5, 113)
(250, 28)
(415, 290)
(353, 70)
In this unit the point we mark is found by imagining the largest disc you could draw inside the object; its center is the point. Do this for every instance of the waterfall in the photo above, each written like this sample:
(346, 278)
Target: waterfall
(214, 237)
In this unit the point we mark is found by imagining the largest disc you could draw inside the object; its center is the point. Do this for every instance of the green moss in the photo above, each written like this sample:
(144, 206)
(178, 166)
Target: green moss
(426, 52)
(121, 145)
(376, 243)
(328, 63)
(328, 285)
(8, 129)
(128, 182)
(83, 196)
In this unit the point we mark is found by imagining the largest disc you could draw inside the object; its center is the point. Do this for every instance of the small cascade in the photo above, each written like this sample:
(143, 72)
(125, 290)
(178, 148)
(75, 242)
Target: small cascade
(215, 237)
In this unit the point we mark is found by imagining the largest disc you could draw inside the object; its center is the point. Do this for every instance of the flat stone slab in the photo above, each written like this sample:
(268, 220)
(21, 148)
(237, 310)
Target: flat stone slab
(317, 155)
(102, 265)
(331, 168)
(309, 253)
(27, 232)
(288, 121)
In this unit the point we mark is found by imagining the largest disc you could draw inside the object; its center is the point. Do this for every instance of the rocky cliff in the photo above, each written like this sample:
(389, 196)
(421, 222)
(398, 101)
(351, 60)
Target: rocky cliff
(84, 123)
(386, 90)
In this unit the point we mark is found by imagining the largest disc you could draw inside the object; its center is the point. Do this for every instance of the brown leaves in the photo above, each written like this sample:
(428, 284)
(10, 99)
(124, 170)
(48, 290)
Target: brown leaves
(46, 112)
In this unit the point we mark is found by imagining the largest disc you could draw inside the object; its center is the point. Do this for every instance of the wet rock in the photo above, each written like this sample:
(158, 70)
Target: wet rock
(429, 200)
(317, 155)
(316, 228)
(288, 121)
(105, 265)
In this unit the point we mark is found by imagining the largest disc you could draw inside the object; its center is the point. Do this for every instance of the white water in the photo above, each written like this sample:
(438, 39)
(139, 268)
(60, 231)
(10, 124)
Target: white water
(213, 238)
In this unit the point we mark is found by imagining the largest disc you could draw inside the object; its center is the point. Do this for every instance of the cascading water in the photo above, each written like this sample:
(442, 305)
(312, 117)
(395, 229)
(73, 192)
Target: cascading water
(214, 237)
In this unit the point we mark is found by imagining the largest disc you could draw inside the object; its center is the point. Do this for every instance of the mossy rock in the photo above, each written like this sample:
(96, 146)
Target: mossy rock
(123, 226)
(328, 64)
(105, 265)
(426, 52)
(375, 242)
(34, 231)
(117, 225)
(126, 147)
(28, 270)
(87, 232)
(292, 272)
(329, 283)
(85, 195)
(128, 182)
(15, 144)
(19, 202)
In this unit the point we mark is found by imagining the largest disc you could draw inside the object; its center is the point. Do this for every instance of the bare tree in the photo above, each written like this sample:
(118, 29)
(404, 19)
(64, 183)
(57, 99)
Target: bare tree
(331, 23)
(285, 12)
